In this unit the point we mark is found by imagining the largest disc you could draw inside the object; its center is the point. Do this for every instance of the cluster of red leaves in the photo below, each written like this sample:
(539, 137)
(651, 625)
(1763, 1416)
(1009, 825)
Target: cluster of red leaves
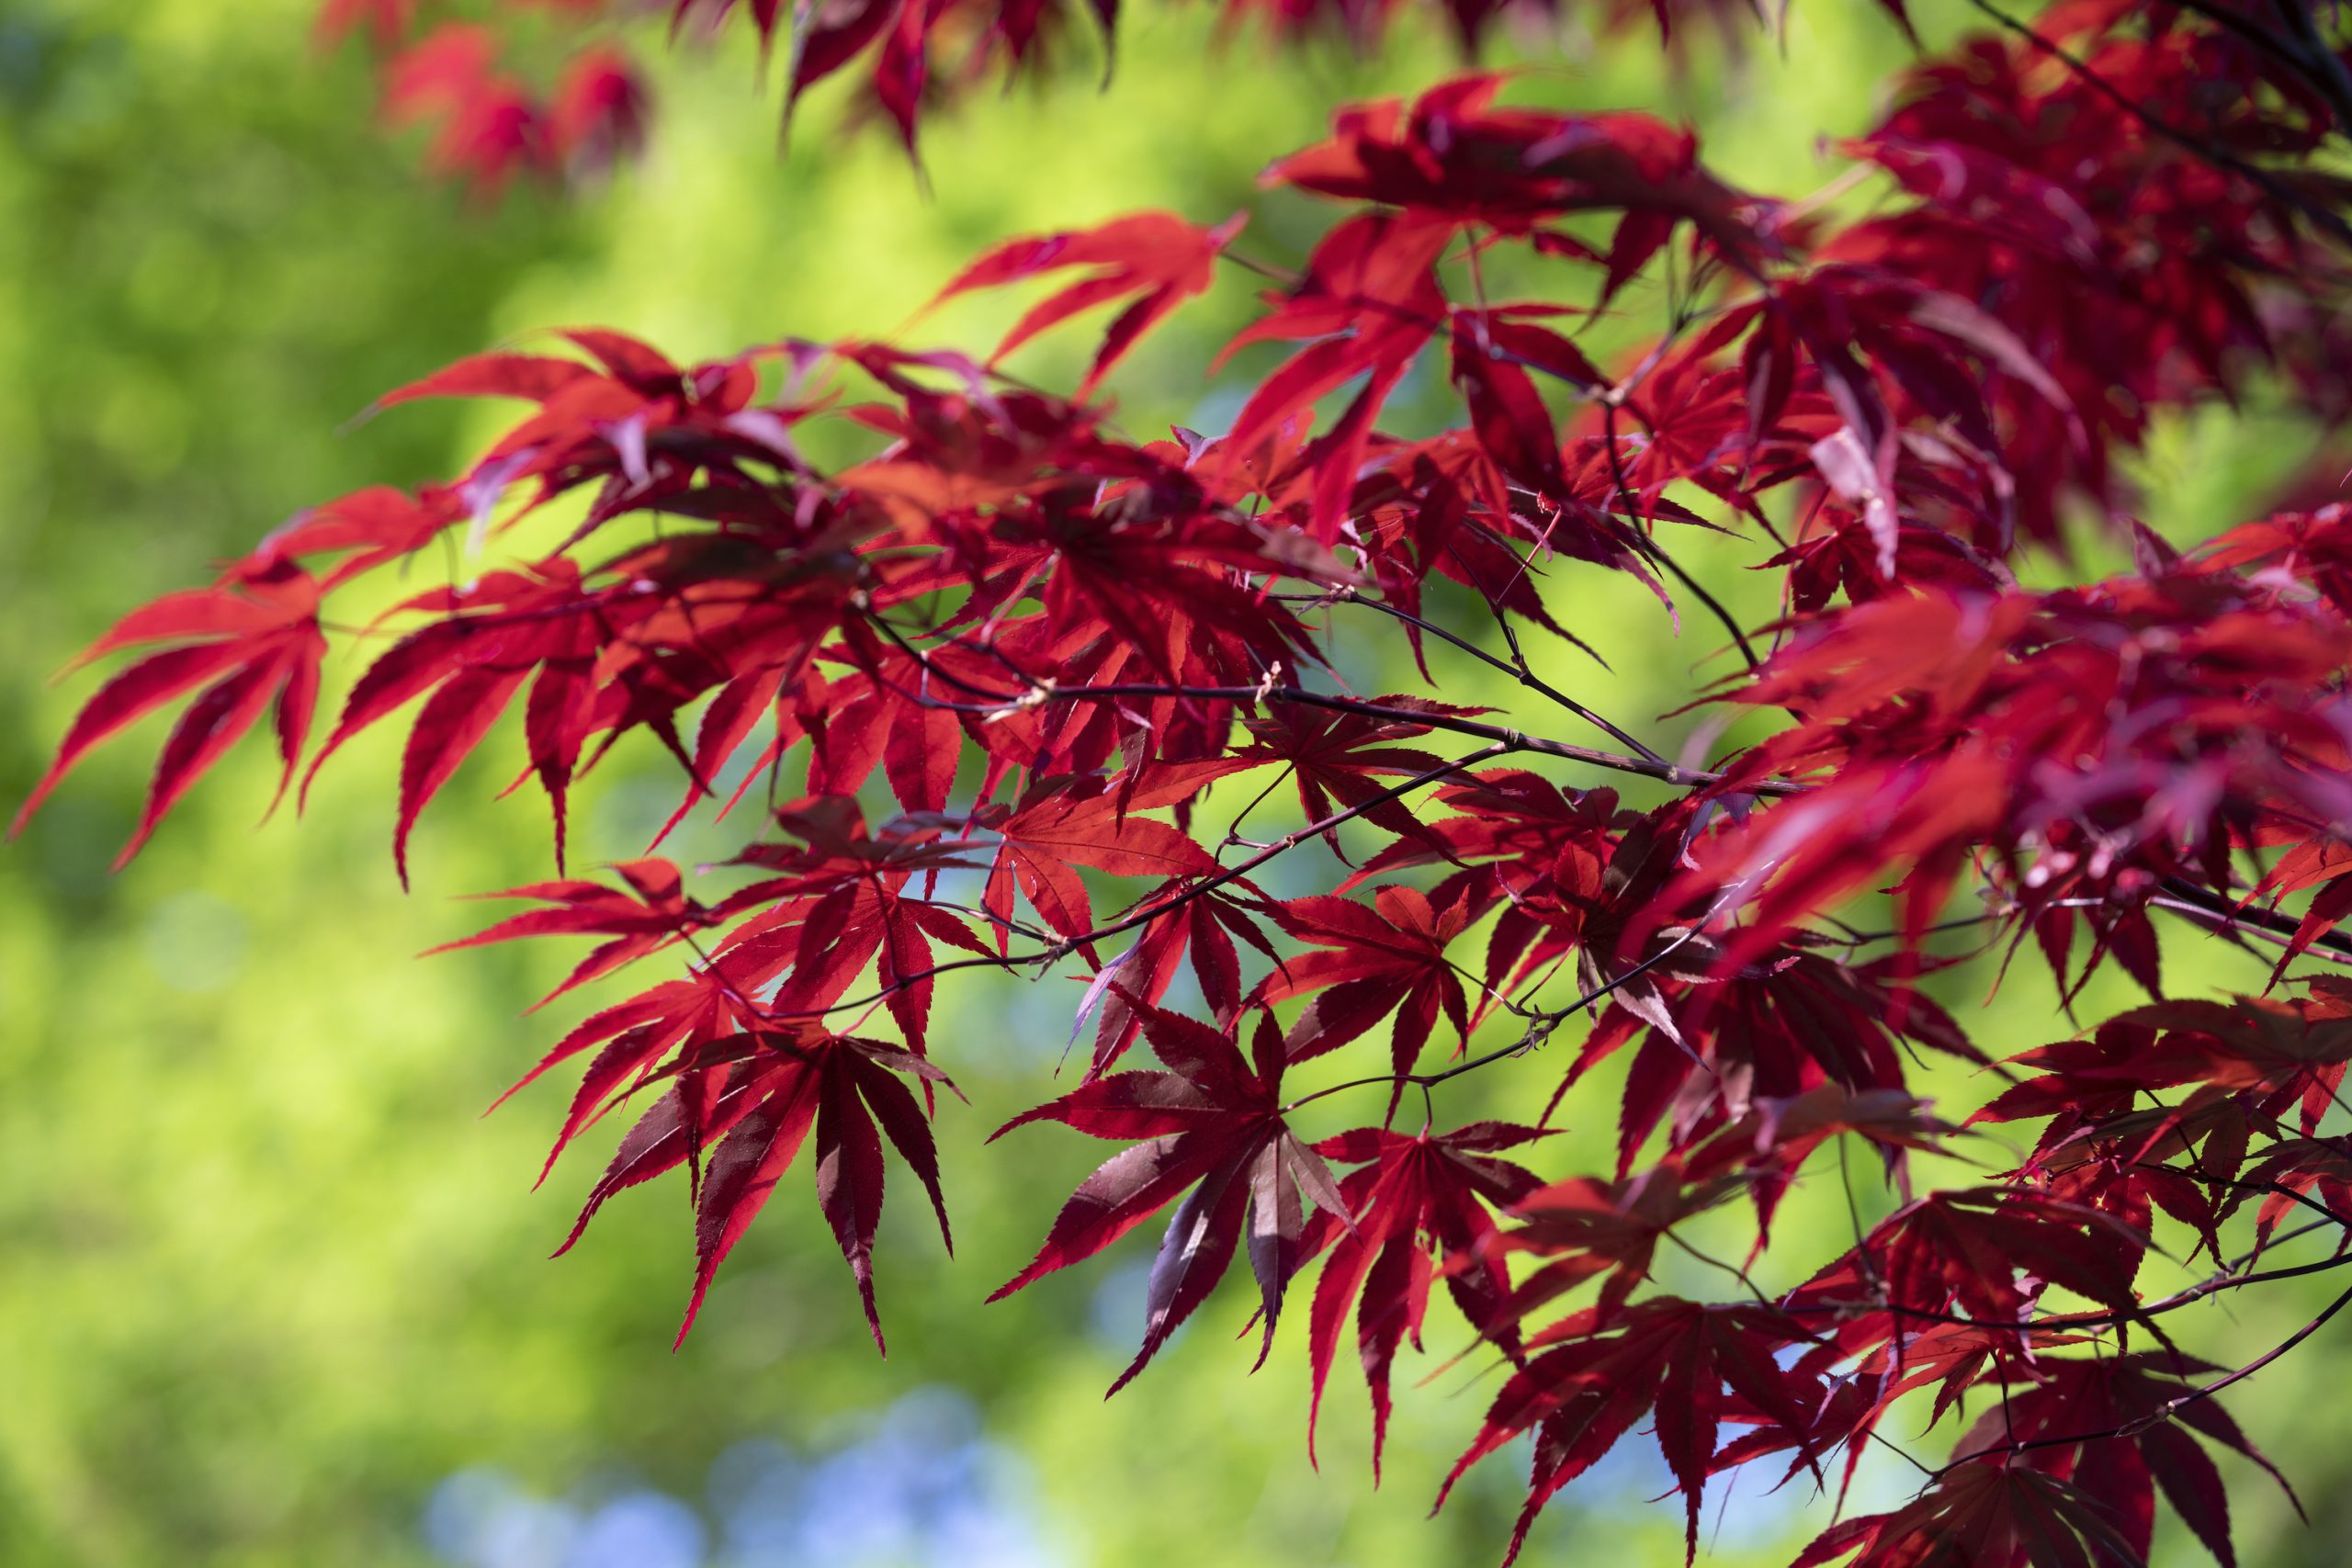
(915, 54)
(489, 126)
(2090, 753)
(2133, 291)
(1021, 655)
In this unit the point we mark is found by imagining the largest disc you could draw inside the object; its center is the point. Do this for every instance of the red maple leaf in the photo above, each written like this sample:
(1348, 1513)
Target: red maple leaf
(1157, 257)
(843, 901)
(2147, 1403)
(1420, 1208)
(489, 129)
(1588, 1228)
(745, 1105)
(1986, 1253)
(1982, 1515)
(1059, 825)
(1386, 958)
(1686, 1365)
(659, 915)
(1345, 756)
(1213, 1123)
(252, 638)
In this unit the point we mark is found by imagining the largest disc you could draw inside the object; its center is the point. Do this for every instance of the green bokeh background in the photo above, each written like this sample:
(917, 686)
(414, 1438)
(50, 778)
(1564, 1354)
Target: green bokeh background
(266, 1280)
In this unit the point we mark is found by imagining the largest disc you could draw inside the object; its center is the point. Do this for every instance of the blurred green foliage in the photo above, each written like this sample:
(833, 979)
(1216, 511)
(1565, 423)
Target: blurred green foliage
(265, 1282)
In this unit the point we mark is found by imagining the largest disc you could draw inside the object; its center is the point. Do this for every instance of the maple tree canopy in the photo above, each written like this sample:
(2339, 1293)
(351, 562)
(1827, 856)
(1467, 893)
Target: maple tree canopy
(1005, 691)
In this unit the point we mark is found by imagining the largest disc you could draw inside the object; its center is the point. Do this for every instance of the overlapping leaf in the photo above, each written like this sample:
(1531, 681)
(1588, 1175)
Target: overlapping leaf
(1213, 1124)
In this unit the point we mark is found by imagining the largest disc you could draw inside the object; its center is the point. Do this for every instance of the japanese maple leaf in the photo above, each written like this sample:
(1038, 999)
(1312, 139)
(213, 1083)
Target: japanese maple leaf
(1519, 432)
(1369, 304)
(2313, 548)
(1389, 957)
(2275, 1053)
(1628, 950)
(597, 116)
(2140, 1398)
(846, 891)
(1777, 1029)
(1986, 1253)
(1844, 317)
(658, 915)
(2179, 709)
(1682, 1363)
(530, 377)
(367, 528)
(1416, 1203)
(1059, 825)
(2124, 1178)
(1871, 1360)
(489, 129)
(1157, 257)
(1213, 1123)
(2085, 1081)
(2321, 864)
(1508, 815)
(1453, 153)
(1788, 1130)
(877, 715)
(473, 664)
(727, 722)
(1771, 1143)
(1589, 1227)
(1203, 926)
(2293, 1173)
(1982, 1515)
(252, 638)
(750, 1103)
(632, 1039)
(1172, 586)
(886, 711)
(1344, 755)
(1442, 507)
(1986, 190)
